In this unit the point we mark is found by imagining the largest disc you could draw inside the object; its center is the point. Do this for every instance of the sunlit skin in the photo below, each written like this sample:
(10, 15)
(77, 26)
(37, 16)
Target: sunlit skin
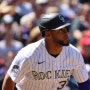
(60, 36)
(55, 40)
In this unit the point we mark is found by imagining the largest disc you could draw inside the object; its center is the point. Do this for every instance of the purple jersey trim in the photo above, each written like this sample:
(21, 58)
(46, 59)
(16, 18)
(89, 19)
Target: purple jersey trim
(85, 85)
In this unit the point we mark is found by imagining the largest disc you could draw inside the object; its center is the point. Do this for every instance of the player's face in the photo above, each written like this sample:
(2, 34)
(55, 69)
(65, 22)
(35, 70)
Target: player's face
(60, 36)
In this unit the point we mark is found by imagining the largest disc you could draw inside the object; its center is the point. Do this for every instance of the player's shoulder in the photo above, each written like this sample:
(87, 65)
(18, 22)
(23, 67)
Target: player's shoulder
(27, 53)
(30, 48)
(73, 48)
(74, 53)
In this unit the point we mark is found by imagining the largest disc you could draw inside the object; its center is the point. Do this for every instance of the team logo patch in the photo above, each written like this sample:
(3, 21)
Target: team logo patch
(15, 69)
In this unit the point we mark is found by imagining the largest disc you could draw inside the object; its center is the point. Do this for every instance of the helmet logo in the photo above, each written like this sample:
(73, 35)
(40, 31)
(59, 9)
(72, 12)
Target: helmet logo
(61, 18)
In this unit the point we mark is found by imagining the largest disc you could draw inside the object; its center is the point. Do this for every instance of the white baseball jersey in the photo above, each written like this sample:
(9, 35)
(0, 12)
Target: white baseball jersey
(35, 69)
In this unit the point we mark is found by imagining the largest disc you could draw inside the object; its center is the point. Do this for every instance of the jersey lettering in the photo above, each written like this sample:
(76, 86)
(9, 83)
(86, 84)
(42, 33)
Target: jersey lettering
(41, 75)
(49, 74)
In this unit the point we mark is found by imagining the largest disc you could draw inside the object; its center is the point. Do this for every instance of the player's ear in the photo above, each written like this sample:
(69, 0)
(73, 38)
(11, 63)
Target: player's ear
(47, 34)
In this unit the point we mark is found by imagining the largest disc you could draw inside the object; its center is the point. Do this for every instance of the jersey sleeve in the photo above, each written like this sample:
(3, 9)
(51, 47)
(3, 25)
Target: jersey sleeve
(18, 68)
(79, 72)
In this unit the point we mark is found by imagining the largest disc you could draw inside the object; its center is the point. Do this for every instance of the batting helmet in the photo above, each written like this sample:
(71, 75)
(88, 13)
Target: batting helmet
(52, 21)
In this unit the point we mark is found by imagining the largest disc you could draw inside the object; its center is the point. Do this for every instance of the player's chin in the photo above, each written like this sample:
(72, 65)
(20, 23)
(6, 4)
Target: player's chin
(66, 43)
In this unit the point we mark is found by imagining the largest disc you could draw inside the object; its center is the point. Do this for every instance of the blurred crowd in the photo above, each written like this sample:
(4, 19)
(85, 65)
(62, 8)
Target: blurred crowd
(19, 21)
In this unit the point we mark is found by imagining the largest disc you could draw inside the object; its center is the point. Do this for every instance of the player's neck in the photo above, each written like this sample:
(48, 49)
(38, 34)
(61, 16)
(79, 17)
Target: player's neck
(53, 48)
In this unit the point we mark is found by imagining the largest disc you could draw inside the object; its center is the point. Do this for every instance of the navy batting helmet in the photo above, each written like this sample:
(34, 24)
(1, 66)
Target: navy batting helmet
(52, 21)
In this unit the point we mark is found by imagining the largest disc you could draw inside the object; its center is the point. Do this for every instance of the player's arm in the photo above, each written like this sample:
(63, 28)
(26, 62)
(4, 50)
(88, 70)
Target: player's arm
(80, 73)
(8, 84)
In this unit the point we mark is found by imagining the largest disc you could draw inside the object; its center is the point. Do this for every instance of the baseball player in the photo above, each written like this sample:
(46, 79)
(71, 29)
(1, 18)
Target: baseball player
(48, 63)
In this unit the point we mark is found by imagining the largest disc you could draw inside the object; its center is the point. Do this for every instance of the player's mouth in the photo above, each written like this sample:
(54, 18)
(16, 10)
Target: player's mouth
(66, 39)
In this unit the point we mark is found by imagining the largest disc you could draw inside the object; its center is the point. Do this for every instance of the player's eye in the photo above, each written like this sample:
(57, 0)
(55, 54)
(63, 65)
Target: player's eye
(63, 30)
